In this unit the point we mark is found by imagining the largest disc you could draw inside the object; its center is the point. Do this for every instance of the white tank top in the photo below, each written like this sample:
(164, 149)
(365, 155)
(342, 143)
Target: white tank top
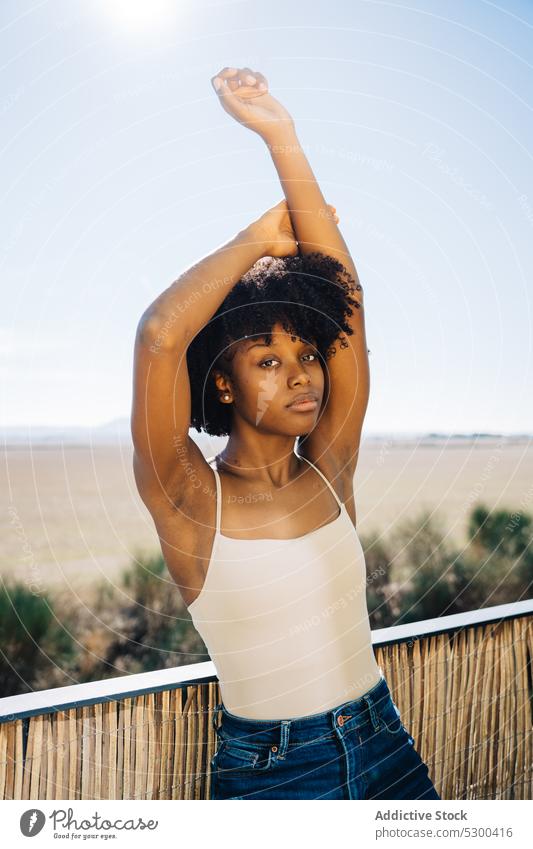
(285, 621)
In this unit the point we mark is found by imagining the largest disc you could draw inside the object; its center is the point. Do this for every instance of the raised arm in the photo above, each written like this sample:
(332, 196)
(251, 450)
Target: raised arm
(161, 408)
(244, 94)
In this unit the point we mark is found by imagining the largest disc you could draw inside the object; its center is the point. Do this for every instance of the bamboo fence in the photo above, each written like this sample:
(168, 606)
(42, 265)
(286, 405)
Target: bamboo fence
(465, 695)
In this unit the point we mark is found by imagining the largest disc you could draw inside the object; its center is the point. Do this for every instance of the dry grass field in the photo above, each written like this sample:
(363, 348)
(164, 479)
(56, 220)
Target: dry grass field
(73, 514)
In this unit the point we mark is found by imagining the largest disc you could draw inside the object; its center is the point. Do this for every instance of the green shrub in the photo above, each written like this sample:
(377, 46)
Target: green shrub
(34, 642)
(150, 624)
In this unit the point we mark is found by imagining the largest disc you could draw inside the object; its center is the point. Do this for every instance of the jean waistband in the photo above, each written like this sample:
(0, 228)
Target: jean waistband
(354, 712)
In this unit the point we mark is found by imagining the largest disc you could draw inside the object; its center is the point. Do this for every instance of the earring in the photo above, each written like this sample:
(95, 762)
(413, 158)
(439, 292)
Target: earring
(226, 396)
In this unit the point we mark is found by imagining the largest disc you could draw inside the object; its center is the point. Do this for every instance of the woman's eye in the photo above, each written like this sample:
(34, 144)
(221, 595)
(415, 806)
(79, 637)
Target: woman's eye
(273, 360)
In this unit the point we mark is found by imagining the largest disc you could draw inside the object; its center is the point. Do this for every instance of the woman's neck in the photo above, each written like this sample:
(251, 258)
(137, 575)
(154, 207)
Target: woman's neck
(276, 467)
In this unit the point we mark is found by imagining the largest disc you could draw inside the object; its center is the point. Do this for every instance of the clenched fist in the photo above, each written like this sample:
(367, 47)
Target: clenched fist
(244, 95)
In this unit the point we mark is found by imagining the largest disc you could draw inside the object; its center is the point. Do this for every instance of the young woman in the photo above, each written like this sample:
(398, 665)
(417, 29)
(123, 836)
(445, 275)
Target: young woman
(262, 543)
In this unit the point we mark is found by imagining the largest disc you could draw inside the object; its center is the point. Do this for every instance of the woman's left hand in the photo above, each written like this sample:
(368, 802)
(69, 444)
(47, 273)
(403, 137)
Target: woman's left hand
(244, 95)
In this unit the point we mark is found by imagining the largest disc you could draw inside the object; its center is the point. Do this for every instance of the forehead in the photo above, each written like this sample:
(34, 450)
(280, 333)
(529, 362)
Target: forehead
(279, 338)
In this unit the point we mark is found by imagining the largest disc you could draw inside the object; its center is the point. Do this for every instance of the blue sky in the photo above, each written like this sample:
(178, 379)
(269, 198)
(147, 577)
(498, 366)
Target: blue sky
(120, 170)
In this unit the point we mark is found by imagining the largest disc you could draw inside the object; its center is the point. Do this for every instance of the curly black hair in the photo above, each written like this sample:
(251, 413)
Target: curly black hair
(310, 295)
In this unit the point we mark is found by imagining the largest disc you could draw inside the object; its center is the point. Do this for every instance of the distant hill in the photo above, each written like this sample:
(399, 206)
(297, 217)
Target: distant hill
(117, 432)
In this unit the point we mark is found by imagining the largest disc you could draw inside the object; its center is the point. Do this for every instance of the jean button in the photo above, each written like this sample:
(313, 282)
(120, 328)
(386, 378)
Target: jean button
(274, 748)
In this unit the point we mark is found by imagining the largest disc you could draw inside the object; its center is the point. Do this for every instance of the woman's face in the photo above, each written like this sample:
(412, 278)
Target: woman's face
(266, 380)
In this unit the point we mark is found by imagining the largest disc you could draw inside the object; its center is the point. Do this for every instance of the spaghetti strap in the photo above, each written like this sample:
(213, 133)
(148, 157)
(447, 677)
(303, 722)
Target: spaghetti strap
(339, 502)
(219, 493)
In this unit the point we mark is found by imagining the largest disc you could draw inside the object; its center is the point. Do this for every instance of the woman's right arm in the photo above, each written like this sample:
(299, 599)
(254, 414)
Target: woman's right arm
(161, 406)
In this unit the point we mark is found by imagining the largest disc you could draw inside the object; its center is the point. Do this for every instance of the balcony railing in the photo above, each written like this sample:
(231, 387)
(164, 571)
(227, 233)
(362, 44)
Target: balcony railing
(463, 685)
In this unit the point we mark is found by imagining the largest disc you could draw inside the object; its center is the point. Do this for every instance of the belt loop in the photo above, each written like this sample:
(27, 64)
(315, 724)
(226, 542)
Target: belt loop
(214, 718)
(373, 715)
(284, 738)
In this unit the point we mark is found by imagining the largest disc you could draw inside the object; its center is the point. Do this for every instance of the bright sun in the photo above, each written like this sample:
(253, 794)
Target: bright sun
(142, 14)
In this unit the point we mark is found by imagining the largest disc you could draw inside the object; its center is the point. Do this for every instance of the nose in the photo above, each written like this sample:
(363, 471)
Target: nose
(301, 377)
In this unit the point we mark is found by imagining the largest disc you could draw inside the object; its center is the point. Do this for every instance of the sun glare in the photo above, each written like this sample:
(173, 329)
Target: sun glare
(142, 15)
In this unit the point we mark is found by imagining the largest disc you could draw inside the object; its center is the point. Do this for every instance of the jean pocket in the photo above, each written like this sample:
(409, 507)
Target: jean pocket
(392, 722)
(235, 756)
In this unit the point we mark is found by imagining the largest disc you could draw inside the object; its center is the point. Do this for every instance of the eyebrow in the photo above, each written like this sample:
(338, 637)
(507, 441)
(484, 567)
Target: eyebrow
(259, 345)
(272, 345)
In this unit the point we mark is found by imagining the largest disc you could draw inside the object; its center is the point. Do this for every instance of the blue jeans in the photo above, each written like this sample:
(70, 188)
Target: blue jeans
(358, 750)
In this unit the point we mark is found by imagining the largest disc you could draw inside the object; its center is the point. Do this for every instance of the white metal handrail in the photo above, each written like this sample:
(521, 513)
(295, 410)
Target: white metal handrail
(127, 686)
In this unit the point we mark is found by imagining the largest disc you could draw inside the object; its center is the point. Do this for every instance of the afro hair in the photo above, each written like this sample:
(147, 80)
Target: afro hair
(310, 295)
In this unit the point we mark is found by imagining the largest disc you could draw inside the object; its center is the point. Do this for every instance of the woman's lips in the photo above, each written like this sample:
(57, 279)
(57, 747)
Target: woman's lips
(304, 406)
